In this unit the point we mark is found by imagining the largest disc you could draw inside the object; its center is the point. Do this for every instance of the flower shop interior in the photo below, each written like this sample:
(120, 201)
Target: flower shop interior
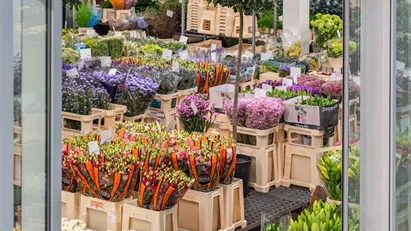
(195, 115)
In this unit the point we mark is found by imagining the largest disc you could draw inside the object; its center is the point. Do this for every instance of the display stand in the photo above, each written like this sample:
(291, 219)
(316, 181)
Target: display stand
(70, 205)
(113, 115)
(234, 205)
(269, 76)
(183, 93)
(136, 218)
(201, 211)
(222, 125)
(86, 121)
(165, 117)
(165, 102)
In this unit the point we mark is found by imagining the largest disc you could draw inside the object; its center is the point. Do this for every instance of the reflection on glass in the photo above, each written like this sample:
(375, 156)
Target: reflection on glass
(403, 112)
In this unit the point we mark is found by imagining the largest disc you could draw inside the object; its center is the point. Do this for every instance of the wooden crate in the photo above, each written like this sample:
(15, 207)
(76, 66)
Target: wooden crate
(136, 218)
(108, 14)
(234, 205)
(301, 167)
(86, 121)
(264, 171)
(101, 214)
(304, 137)
(165, 102)
(70, 205)
(201, 211)
(113, 115)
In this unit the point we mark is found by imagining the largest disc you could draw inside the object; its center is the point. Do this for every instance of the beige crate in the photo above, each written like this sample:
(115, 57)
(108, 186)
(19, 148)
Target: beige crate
(208, 22)
(255, 138)
(225, 19)
(70, 205)
(141, 219)
(204, 45)
(123, 14)
(249, 85)
(108, 14)
(334, 63)
(165, 102)
(194, 10)
(269, 76)
(101, 214)
(183, 93)
(304, 137)
(222, 125)
(280, 146)
(138, 118)
(201, 211)
(83, 30)
(164, 117)
(301, 167)
(234, 205)
(264, 171)
(248, 27)
(87, 124)
(114, 114)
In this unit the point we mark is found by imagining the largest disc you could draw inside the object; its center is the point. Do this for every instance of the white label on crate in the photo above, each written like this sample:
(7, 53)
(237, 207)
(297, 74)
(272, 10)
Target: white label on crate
(171, 125)
(267, 87)
(133, 34)
(183, 39)
(170, 13)
(249, 54)
(336, 76)
(260, 92)
(85, 53)
(112, 217)
(265, 56)
(295, 71)
(91, 33)
(112, 71)
(105, 61)
(338, 33)
(106, 136)
(118, 34)
(176, 66)
(96, 205)
(158, 126)
(281, 88)
(184, 55)
(405, 123)
(193, 108)
(213, 46)
(213, 57)
(93, 147)
(167, 54)
(287, 82)
(357, 80)
(161, 115)
(72, 73)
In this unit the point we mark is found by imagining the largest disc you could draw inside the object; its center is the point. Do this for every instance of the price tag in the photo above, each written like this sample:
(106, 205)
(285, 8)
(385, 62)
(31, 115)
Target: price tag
(105, 61)
(213, 46)
(91, 33)
(81, 64)
(336, 76)
(260, 92)
(93, 147)
(338, 33)
(184, 55)
(281, 88)
(167, 54)
(183, 39)
(267, 56)
(193, 108)
(106, 136)
(170, 13)
(158, 126)
(85, 53)
(267, 87)
(72, 73)
(119, 92)
(213, 57)
(171, 125)
(405, 123)
(248, 95)
(112, 71)
(118, 34)
(112, 217)
(133, 34)
(357, 80)
(249, 54)
(295, 72)
(287, 82)
(176, 66)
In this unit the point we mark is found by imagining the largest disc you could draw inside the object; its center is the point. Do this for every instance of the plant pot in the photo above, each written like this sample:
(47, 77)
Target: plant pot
(242, 171)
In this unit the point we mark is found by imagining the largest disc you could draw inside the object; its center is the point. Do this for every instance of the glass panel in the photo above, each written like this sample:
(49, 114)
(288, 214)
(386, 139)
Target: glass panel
(30, 113)
(403, 115)
(354, 115)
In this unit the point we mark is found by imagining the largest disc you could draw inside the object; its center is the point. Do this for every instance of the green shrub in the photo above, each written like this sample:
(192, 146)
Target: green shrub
(83, 15)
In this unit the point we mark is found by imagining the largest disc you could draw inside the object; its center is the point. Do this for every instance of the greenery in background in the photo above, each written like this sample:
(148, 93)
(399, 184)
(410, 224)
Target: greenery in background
(266, 20)
(72, 3)
(174, 46)
(116, 47)
(106, 4)
(329, 168)
(294, 50)
(323, 216)
(325, 27)
(326, 7)
(83, 15)
(316, 101)
(150, 5)
(98, 46)
(272, 226)
(150, 48)
(335, 47)
(70, 56)
(162, 25)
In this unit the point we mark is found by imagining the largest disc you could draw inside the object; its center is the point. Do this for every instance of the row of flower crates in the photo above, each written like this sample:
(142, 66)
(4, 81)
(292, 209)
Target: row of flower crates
(221, 209)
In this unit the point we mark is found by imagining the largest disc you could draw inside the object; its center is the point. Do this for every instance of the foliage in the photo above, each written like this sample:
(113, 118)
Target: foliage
(323, 216)
(106, 4)
(272, 227)
(326, 7)
(325, 28)
(143, 5)
(266, 21)
(70, 56)
(316, 101)
(83, 15)
(164, 26)
(294, 50)
(71, 3)
(335, 47)
(277, 93)
(151, 49)
(329, 168)
(116, 47)
(99, 47)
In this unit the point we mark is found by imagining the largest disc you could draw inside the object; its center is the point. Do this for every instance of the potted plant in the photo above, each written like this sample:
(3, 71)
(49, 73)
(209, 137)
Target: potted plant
(326, 27)
(83, 16)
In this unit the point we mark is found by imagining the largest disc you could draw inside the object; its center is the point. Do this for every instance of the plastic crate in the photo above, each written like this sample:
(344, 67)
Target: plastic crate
(108, 14)
(304, 137)
(255, 138)
(70, 205)
(225, 20)
(208, 22)
(123, 14)
(184, 93)
(248, 25)
(234, 205)
(165, 102)
(136, 218)
(86, 121)
(164, 117)
(269, 76)
(201, 211)
(113, 115)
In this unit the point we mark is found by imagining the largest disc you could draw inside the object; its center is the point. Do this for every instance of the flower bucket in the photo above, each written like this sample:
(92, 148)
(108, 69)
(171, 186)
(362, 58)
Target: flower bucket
(68, 179)
(206, 175)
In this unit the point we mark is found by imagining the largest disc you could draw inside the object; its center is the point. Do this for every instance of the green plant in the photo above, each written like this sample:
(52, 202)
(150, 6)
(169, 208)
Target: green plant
(174, 46)
(277, 93)
(99, 47)
(329, 168)
(70, 56)
(116, 47)
(316, 101)
(151, 48)
(325, 27)
(83, 15)
(266, 21)
(326, 7)
(272, 227)
(106, 4)
(323, 216)
(71, 3)
(335, 47)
